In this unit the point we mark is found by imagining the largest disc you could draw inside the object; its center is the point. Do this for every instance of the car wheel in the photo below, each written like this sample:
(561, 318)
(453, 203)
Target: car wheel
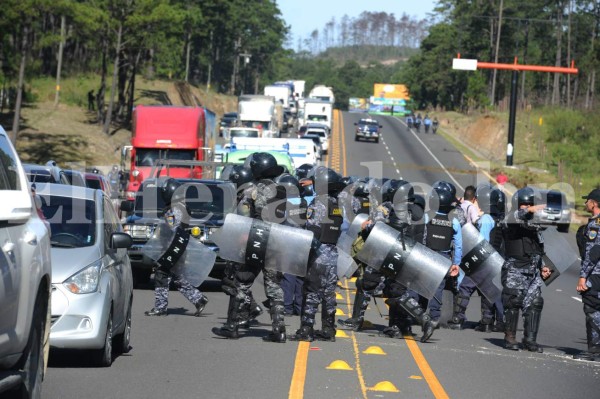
(563, 228)
(33, 358)
(356, 138)
(376, 141)
(122, 341)
(103, 357)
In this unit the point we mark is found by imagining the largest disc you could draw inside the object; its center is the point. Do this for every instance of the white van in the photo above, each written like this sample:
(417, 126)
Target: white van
(301, 151)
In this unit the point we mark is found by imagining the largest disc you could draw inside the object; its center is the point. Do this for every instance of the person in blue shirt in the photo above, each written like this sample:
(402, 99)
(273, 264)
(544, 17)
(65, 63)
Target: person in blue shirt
(427, 123)
(491, 203)
(443, 235)
(409, 121)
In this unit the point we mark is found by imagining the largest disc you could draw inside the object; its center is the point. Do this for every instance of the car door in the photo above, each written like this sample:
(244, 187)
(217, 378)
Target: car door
(112, 260)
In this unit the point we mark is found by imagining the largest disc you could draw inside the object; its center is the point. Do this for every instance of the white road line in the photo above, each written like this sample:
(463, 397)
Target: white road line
(391, 156)
(577, 299)
(434, 157)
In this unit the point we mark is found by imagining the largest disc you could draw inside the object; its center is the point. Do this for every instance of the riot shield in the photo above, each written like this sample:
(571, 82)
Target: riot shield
(481, 262)
(347, 238)
(346, 266)
(559, 255)
(262, 244)
(196, 262)
(412, 264)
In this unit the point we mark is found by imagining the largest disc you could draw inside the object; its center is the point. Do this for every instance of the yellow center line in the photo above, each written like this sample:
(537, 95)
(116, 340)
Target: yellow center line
(361, 378)
(342, 133)
(435, 386)
(299, 377)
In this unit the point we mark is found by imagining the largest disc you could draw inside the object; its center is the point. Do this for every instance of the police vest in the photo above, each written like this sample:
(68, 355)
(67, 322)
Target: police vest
(497, 236)
(440, 233)
(266, 200)
(521, 243)
(296, 213)
(331, 227)
(364, 205)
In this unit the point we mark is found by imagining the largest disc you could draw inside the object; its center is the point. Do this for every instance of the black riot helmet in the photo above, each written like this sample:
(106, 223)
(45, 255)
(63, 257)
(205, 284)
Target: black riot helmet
(444, 185)
(440, 200)
(491, 200)
(240, 175)
(305, 170)
(167, 189)
(360, 189)
(264, 166)
(420, 201)
(327, 181)
(348, 180)
(289, 183)
(397, 191)
(525, 196)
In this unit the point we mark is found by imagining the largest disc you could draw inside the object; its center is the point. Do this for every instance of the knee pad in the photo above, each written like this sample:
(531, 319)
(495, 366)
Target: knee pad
(369, 285)
(513, 301)
(245, 277)
(537, 303)
(393, 290)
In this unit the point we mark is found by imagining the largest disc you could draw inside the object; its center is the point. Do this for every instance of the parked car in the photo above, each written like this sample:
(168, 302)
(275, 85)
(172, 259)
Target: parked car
(76, 178)
(557, 211)
(367, 129)
(228, 120)
(92, 284)
(207, 208)
(322, 132)
(48, 173)
(25, 281)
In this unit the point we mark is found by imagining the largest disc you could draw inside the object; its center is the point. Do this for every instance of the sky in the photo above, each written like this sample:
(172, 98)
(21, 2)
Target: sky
(304, 16)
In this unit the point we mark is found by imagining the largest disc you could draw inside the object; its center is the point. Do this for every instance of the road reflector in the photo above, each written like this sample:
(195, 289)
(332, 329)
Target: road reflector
(339, 365)
(338, 296)
(353, 280)
(384, 386)
(374, 350)
(415, 377)
(339, 312)
(314, 348)
(341, 334)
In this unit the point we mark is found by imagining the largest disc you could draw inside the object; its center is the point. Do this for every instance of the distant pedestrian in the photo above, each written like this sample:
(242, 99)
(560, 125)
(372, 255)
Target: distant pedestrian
(91, 99)
(501, 179)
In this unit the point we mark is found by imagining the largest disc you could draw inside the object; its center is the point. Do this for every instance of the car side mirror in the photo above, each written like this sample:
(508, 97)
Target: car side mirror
(120, 240)
(127, 206)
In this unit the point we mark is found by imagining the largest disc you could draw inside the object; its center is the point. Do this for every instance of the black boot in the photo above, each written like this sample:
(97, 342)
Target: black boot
(156, 312)
(457, 320)
(485, 325)
(328, 331)
(278, 333)
(200, 305)
(393, 329)
(305, 333)
(358, 312)
(591, 355)
(414, 309)
(230, 328)
(531, 325)
(511, 317)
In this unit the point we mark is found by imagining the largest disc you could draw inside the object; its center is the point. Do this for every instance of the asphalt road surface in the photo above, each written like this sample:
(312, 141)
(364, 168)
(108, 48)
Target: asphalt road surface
(178, 356)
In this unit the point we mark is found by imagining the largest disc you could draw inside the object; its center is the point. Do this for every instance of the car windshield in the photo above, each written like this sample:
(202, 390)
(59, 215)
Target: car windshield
(201, 200)
(40, 176)
(243, 133)
(72, 221)
(317, 118)
(93, 183)
(147, 156)
(371, 126)
(319, 133)
(256, 125)
(554, 199)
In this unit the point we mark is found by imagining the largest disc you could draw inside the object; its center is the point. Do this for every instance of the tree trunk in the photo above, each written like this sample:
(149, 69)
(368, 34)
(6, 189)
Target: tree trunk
(187, 56)
(569, 54)
(523, 74)
(60, 59)
(17, 115)
(495, 71)
(113, 87)
(131, 88)
(102, 89)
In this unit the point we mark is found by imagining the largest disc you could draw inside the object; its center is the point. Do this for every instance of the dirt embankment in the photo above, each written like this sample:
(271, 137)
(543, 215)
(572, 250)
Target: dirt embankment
(71, 136)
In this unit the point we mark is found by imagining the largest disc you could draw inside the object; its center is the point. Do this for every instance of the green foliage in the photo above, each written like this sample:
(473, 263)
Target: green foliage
(476, 91)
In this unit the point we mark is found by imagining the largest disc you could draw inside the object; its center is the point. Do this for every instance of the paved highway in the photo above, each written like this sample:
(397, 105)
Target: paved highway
(178, 356)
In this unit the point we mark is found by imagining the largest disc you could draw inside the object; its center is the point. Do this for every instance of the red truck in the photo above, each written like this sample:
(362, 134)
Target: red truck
(167, 132)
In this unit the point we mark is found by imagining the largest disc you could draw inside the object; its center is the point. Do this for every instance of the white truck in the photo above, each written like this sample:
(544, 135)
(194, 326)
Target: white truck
(299, 86)
(322, 92)
(258, 111)
(281, 93)
(318, 111)
(301, 151)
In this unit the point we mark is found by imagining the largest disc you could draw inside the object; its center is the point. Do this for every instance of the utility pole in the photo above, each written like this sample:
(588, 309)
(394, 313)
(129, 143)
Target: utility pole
(60, 58)
(493, 96)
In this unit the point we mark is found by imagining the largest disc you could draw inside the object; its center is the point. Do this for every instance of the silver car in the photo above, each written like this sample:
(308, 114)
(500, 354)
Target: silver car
(92, 285)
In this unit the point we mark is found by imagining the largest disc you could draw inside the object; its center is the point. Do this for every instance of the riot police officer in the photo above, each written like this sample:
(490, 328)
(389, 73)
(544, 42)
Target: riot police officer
(324, 218)
(443, 235)
(523, 271)
(589, 279)
(177, 217)
(242, 178)
(258, 203)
